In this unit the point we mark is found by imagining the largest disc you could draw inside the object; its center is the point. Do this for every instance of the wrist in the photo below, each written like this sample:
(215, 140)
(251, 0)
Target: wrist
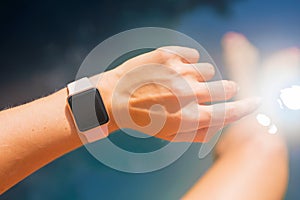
(105, 82)
(57, 117)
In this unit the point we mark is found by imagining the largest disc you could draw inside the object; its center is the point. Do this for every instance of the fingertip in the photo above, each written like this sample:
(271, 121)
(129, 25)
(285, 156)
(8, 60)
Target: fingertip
(255, 101)
(232, 36)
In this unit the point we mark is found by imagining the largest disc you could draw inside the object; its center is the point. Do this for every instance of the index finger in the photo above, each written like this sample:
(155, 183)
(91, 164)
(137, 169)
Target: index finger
(224, 113)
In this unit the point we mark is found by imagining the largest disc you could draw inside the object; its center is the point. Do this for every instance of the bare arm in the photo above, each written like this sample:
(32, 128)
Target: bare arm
(250, 164)
(36, 133)
(33, 135)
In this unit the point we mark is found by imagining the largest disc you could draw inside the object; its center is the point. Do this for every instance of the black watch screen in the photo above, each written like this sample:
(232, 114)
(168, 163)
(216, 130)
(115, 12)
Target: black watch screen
(88, 109)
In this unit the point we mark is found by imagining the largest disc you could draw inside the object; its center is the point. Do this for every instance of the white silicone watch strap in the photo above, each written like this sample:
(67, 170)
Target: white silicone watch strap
(78, 86)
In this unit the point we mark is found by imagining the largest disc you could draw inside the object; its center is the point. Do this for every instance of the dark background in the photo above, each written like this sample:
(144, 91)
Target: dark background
(42, 44)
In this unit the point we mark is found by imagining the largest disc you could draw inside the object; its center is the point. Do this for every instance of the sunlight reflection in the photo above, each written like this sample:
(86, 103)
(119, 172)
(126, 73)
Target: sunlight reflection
(291, 97)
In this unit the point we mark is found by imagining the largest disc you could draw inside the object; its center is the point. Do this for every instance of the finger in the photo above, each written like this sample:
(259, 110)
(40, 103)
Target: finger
(219, 115)
(224, 113)
(214, 91)
(200, 71)
(200, 136)
(185, 54)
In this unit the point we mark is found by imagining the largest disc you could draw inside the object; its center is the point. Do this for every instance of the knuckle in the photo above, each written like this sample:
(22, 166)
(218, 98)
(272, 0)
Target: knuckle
(164, 54)
(161, 55)
(180, 69)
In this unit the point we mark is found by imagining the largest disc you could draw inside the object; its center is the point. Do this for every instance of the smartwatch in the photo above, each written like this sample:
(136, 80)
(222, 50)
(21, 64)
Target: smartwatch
(87, 109)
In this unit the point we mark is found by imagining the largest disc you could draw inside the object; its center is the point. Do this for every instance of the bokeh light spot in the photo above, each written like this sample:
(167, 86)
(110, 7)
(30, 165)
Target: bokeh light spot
(272, 129)
(262, 119)
(291, 97)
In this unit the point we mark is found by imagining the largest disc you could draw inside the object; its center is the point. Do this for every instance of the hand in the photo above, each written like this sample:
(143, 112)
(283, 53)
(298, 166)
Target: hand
(163, 92)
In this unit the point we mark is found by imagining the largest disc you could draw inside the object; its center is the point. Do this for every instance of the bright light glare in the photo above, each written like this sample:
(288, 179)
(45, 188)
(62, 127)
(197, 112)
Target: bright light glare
(263, 120)
(291, 97)
(272, 129)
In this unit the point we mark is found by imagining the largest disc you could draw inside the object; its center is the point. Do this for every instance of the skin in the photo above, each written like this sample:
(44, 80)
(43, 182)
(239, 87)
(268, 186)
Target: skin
(38, 132)
(250, 163)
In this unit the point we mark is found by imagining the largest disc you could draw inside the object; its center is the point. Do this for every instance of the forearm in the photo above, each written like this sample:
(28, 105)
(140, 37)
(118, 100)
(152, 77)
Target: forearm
(33, 135)
(242, 176)
(250, 165)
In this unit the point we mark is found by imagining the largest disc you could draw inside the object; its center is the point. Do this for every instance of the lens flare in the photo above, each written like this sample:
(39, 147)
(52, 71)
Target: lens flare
(272, 129)
(290, 97)
(263, 120)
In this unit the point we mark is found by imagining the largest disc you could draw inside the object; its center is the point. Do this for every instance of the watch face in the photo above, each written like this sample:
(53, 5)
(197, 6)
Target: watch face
(88, 109)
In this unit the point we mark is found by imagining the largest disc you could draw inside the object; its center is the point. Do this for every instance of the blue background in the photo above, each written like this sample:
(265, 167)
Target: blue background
(43, 43)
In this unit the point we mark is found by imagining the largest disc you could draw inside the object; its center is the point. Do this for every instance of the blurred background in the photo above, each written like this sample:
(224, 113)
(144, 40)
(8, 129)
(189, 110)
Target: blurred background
(43, 43)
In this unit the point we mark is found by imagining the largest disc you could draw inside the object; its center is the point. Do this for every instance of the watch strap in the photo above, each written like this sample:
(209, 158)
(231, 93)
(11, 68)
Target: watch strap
(96, 133)
(80, 85)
